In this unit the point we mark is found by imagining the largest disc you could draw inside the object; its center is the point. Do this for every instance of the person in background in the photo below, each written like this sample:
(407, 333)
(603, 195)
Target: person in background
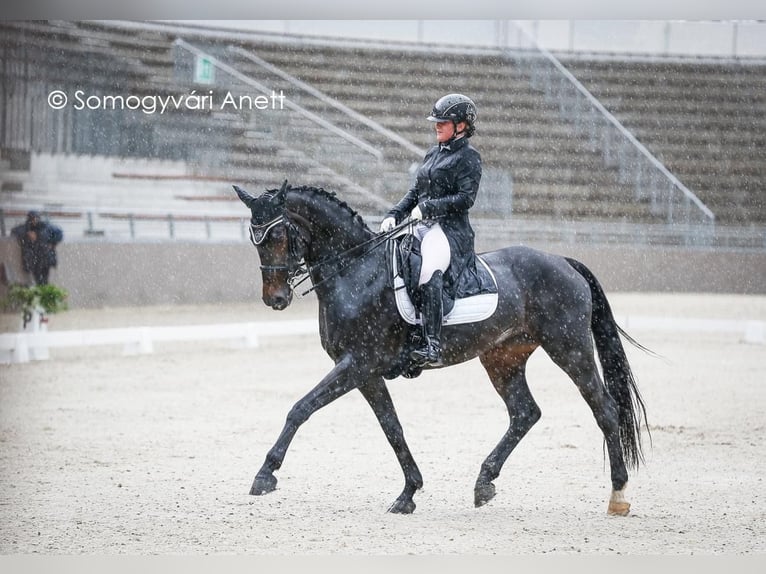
(38, 240)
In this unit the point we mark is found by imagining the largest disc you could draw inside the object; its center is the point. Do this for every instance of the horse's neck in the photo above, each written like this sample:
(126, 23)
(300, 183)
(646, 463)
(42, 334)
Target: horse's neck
(333, 228)
(352, 281)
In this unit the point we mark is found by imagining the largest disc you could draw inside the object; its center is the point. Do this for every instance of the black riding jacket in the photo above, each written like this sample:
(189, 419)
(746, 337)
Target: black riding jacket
(445, 189)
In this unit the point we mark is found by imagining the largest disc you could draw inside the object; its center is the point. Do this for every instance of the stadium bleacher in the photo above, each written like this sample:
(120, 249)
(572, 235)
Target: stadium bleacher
(704, 119)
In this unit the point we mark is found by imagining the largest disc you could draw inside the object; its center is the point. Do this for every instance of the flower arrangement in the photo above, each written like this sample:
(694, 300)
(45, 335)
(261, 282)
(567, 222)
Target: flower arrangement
(46, 299)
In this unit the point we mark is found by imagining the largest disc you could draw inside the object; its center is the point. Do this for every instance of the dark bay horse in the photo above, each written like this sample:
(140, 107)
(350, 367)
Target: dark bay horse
(545, 301)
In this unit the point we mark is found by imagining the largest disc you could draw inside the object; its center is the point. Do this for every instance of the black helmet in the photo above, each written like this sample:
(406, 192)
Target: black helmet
(455, 108)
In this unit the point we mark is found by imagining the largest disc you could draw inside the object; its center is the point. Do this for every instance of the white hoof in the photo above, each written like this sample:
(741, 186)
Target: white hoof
(618, 506)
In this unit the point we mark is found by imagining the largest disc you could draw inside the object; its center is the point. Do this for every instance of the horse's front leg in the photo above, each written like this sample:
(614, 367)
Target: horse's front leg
(376, 393)
(340, 380)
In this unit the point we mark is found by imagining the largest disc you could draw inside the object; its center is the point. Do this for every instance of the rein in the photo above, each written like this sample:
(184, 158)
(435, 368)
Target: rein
(299, 268)
(376, 241)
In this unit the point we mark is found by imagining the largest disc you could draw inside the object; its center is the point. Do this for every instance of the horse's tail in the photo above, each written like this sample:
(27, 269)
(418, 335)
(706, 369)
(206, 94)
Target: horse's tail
(618, 376)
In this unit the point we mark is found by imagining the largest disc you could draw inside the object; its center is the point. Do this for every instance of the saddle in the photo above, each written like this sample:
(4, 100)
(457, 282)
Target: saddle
(475, 293)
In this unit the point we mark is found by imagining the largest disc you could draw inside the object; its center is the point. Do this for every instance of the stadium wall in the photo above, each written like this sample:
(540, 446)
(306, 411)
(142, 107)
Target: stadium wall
(101, 274)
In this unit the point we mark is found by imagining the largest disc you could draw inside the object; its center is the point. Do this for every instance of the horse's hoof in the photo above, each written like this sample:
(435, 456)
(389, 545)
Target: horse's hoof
(402, 507)
(483, 493)
(263, 485)
(618, 506)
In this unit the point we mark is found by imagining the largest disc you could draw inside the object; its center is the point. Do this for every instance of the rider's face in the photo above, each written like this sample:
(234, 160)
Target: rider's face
(445, 130)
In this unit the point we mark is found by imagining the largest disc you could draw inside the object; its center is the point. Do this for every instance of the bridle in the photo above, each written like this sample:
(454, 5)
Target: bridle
(295, 267)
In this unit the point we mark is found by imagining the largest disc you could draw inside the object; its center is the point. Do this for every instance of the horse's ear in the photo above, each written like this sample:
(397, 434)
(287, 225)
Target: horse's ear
(246, 198)
(280, 195)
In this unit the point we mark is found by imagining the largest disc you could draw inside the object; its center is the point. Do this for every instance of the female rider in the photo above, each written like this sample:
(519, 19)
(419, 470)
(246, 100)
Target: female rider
(445, 189)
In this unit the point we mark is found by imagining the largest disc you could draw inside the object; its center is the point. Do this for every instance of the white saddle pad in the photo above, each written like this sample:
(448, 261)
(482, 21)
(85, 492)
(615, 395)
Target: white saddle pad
(467, 310)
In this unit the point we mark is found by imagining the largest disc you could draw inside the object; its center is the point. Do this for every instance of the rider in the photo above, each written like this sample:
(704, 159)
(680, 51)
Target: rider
(445, 189)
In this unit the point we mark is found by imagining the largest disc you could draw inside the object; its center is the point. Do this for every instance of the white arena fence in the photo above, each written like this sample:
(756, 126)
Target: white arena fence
(25, 346)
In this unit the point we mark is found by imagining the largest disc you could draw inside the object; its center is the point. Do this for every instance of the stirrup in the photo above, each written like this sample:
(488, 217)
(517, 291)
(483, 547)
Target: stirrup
(430, 354)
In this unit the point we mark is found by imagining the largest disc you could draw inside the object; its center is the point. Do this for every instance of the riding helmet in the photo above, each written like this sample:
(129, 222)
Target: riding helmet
(455, 108)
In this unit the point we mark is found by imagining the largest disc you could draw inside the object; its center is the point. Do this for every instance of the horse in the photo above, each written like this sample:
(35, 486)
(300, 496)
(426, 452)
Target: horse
(544, 300)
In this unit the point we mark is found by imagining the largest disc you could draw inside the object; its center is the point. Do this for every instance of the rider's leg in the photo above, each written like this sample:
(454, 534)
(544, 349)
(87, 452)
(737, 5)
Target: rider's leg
(436, 258)
(435, 251)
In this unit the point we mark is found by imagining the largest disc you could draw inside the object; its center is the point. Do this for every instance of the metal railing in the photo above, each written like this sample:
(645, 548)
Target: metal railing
(164, 226)
(653, 184)
(269, 92)
(115, 224)
(327, 150)
(401, 155)
(353, 115)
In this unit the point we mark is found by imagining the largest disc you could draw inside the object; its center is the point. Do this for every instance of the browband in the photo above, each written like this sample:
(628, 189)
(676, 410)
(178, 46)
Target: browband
(259, 232)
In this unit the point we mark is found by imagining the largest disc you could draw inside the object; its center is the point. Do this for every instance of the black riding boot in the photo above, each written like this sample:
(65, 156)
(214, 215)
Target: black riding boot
(431, 313)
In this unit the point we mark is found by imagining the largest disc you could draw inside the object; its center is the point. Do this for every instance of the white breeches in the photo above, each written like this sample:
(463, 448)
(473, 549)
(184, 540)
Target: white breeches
(434, 248)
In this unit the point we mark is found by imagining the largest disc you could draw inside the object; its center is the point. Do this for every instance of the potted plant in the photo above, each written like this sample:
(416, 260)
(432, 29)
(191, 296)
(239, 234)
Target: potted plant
(35, 300)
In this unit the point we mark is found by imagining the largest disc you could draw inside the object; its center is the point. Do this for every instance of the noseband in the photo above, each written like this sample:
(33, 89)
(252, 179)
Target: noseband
(295, 267)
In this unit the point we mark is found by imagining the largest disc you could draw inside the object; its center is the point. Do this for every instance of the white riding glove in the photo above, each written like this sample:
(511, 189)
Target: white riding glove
(416, 214)
(387, 224)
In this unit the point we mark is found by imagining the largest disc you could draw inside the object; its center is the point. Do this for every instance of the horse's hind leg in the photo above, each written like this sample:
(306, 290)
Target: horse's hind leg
(379, 398)
(506, 366)
(575, 356)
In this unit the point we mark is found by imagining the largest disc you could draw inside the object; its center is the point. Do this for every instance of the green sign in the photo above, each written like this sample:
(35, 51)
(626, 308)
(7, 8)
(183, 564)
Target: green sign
(204, 71)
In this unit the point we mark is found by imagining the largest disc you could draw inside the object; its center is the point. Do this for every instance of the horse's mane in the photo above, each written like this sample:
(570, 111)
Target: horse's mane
(332, 198)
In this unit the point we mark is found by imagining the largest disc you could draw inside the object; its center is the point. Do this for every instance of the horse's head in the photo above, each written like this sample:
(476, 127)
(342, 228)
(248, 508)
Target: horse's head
(281, 246)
